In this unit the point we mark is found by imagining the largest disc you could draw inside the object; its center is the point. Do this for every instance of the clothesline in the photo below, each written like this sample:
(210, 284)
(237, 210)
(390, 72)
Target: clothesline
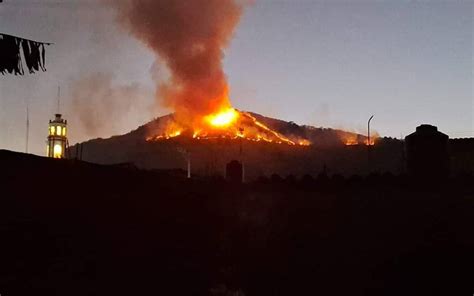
(46, 43)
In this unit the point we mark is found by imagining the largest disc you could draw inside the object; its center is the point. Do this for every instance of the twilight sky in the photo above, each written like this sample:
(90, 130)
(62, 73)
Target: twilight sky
(324, 63)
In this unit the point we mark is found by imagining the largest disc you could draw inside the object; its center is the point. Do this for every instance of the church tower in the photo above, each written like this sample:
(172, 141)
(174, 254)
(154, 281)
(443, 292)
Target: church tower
(57, 137)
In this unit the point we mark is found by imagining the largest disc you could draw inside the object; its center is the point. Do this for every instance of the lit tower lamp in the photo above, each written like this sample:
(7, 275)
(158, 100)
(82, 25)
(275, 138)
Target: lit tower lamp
(57, 137)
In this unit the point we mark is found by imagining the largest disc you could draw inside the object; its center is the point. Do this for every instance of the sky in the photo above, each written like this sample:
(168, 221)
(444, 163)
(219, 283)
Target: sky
(322, 63)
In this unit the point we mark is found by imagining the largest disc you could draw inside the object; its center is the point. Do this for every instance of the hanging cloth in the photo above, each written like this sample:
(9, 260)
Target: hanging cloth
(10, 57)
(11, 61)
(33, 57)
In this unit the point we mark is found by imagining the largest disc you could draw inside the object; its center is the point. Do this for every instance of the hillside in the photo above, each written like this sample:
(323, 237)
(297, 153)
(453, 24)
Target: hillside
(327, 150)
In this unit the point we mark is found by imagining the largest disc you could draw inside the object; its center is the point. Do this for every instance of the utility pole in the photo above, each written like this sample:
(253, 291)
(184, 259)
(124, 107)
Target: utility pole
(189, 165)
(27, 127)
(241, 131)
(369, 144)
(187, 156)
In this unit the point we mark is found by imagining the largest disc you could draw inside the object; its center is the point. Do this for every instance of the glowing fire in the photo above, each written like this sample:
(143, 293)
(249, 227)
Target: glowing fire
(222, 119)
(372, 142)
(228, 124)
(354, 140)
(351, 142)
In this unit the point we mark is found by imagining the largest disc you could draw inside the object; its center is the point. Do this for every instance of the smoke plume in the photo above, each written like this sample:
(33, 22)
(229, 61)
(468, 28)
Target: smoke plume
(189, 37)
(102, 107)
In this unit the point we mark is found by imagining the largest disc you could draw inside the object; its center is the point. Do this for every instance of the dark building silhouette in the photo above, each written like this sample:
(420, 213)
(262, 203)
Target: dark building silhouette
(427, 152)
(234, 172)
(462, 156)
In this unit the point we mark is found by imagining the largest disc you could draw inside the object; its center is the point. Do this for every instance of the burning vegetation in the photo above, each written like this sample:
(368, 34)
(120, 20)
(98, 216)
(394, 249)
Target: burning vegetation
(353, 139)
(227, 124)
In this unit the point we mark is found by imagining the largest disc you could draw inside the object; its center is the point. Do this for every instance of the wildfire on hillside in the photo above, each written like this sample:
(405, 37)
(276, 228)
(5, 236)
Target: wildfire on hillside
(354, 139)
(226, 124)
(190, 40)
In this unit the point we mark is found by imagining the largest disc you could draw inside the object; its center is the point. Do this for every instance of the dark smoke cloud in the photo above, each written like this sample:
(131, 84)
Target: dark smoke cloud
(189, 36)
(102, 108)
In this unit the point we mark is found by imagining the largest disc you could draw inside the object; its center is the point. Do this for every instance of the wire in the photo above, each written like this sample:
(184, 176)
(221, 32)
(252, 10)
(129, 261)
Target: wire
(46, 43)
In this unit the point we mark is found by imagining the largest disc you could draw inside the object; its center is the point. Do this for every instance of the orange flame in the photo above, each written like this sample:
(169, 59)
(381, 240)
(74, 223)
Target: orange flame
(353, 140)
(222, 119)
(228, 124)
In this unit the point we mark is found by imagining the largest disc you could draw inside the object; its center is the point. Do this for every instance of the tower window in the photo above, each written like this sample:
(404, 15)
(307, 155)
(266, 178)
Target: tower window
(64, 131)
(58, 130)
(52, 130)
(57, 151)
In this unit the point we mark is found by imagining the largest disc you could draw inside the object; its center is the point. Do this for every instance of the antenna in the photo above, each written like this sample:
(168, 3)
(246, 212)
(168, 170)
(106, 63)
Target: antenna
(27, 126)
(59, 97)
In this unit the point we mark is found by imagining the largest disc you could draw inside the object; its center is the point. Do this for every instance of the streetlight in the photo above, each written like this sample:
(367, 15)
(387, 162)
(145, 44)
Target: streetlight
(368, 130)
(368, 142)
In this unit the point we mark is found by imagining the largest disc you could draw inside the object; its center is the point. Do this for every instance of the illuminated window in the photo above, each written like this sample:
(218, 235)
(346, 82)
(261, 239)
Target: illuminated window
(52, 131)
(58, 151)
(64, 131)
(47, 150)
(58, 130)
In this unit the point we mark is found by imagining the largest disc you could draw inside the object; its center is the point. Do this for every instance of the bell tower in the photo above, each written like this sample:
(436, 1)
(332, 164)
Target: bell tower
(57, 137)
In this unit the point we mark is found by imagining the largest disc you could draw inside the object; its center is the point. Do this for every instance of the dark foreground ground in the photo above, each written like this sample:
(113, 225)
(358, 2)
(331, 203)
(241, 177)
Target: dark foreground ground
(69, 228)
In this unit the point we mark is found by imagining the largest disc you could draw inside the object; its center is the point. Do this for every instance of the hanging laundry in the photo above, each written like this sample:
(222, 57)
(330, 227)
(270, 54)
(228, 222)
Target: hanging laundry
(33, 57)
(11, 61)
(10, 57)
